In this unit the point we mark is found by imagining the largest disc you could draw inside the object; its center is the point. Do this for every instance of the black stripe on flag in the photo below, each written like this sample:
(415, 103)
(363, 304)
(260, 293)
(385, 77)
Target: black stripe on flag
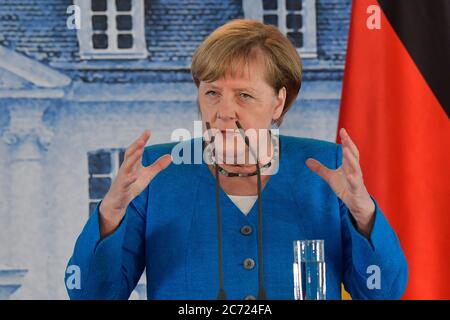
(423, 26)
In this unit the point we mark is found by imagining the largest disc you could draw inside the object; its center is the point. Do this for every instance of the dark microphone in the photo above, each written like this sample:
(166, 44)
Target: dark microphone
(261, 290)
(221, 294)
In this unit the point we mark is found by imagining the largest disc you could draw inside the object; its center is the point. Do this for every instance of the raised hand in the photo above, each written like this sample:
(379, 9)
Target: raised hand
(347, 182)
(130, 181)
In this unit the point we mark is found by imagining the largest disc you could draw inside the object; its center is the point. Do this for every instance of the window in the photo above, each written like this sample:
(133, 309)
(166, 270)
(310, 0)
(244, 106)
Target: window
(103, 166)
(112, 29)
(295, 18)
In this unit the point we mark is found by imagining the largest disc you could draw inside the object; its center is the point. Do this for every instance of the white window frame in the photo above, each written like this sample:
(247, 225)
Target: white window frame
(114, 155)
(84, 34)
(253, 9)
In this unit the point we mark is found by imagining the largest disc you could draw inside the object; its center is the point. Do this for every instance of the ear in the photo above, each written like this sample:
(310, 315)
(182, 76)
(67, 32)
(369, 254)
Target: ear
(280, 99)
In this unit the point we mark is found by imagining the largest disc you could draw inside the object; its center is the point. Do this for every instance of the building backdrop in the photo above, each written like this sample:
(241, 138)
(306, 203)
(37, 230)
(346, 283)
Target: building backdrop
(71, 100)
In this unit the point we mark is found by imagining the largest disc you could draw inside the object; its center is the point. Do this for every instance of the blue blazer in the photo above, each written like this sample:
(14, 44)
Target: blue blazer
(170, 229)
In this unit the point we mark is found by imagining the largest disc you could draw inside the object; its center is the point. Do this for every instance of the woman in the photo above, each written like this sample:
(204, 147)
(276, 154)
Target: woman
(195, 228)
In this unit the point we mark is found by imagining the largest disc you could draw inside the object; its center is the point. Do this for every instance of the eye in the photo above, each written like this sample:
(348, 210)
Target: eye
(245, 96)
(211, 93)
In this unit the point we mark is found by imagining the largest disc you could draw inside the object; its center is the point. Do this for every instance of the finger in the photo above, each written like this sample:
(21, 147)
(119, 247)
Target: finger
(355, 181)
(319, 168)
(152, 170)
(129, 180)
(350, 163)
(345, 165)
(348, 142)
(354, 163)
(138, 143)
(130, 162)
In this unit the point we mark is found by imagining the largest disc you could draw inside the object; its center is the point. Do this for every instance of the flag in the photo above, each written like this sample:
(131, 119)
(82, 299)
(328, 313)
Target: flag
(396, 105)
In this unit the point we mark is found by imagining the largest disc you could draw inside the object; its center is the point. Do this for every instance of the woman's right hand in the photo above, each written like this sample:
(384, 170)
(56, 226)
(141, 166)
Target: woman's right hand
(130, 181)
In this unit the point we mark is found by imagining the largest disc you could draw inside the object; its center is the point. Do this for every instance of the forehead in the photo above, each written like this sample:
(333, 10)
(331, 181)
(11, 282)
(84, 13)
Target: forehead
(242, 75)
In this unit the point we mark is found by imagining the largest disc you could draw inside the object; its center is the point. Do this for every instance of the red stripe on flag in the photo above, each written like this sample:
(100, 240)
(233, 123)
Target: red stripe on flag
(403, 135)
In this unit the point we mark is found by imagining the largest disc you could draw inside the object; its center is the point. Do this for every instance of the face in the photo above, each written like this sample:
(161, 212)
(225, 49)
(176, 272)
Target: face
(245, 97)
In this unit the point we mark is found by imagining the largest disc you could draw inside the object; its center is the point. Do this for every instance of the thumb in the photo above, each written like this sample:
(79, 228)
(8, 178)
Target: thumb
(156, 167)
(315, 166)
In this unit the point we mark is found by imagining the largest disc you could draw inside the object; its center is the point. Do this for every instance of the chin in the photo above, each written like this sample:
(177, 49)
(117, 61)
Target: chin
(230, 157)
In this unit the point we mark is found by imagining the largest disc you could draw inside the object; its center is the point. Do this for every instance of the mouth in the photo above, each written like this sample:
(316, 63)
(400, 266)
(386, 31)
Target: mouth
(229, 133)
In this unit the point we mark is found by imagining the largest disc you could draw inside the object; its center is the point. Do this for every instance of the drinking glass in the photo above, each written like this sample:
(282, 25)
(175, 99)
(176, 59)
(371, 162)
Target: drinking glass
(309, 270)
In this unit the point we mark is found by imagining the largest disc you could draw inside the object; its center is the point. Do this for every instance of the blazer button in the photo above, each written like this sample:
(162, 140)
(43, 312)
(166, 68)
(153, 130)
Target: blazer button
(250, 297)
(246, 230)
(249, 263)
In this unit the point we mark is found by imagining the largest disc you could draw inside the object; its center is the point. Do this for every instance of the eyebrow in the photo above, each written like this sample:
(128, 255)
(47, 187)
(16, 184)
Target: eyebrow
(235, 89)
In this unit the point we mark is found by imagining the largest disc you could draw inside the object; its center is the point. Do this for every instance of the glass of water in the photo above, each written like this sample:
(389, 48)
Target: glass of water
(309, 270)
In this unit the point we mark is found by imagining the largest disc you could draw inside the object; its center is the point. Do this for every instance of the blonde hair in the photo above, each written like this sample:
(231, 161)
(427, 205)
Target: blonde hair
(238, 41)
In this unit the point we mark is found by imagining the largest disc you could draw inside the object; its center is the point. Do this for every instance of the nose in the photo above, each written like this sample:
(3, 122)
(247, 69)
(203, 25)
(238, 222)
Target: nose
(226, 111)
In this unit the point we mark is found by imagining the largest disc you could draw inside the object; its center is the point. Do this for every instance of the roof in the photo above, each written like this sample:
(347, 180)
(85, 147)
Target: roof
(173, 29)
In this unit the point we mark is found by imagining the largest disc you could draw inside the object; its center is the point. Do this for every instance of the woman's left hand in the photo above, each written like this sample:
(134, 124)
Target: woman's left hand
(347, 182)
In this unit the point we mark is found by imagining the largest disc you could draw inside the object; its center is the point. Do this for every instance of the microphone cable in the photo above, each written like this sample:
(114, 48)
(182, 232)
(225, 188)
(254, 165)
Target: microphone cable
(221, 294)
(261, 291)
